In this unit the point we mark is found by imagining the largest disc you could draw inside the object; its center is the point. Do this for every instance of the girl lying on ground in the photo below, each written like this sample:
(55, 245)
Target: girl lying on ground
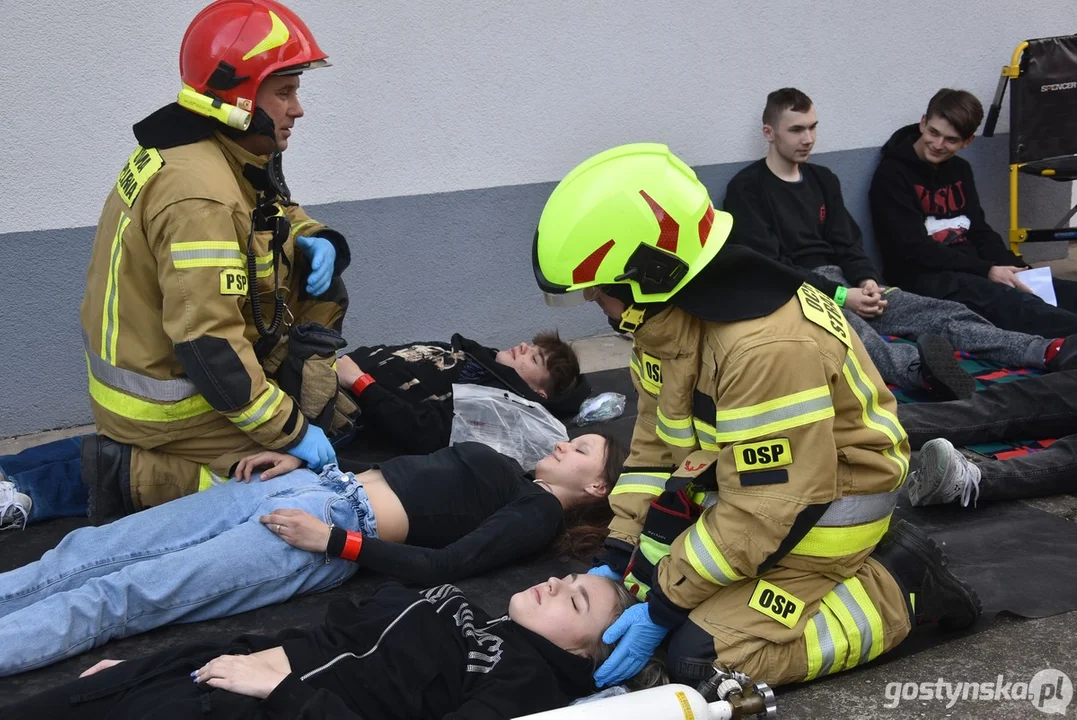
(399, 654)
(242, 545)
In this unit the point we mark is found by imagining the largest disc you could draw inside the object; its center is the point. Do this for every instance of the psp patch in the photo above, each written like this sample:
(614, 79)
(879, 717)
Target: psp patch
(776, 604)
(233, 282)
(763, 455)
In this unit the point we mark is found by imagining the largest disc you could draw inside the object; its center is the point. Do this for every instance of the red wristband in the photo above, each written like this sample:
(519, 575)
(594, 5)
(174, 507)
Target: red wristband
(352, 546)
(362, 383)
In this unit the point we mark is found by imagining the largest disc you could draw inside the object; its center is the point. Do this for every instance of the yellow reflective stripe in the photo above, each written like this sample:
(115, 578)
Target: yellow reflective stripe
(831, 647)
(812, 645)
(207, 253)
(874, 416)
(134, 408)
(641, 482)
(299, 227)
(705, 435)
(649, 385)
(207, 478)
(278, 35)
(264, 265)
(261, 410)
(678, 433)
(642, 588)
(705, 557)
(652, 549)
(841, 541)
(110, 325)
(863, 610)
(783, 413)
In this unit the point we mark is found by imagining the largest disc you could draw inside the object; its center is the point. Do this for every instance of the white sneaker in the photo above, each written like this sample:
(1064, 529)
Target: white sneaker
(944, 476)
(14, 507)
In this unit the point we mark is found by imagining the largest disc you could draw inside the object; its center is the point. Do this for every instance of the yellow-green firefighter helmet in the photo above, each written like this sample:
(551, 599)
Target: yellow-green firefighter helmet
(634, 214)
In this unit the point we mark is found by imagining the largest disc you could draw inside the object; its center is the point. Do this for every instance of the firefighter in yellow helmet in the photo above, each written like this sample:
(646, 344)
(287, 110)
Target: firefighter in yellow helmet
(753, 515)
(205, 277)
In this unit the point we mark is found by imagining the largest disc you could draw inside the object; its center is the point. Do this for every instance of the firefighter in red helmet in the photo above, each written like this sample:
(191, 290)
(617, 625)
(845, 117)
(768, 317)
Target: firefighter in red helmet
(205, 276)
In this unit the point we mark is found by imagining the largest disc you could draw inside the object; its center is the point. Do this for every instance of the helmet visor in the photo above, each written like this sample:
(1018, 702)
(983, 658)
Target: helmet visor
(571, 299)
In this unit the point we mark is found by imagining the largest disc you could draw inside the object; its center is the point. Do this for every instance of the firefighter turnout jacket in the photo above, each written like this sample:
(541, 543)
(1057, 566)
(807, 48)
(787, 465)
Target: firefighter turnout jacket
(760, 444)
(167, 322)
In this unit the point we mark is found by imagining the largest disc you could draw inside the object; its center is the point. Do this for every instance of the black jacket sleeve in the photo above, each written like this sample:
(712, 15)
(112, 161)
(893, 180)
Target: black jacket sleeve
(523, 527)
(899, 229)
(414, 429)
(989, 244)
(843, 234)
(295, 700)
(753, 228)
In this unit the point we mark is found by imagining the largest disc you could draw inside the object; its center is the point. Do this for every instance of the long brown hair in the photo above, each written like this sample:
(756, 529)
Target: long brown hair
(586, 526)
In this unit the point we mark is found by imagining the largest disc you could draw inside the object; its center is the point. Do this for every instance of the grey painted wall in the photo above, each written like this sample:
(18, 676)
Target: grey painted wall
(424, 266)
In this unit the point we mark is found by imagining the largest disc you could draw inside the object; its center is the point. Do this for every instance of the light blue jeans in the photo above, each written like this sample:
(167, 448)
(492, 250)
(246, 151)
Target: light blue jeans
(199, 557)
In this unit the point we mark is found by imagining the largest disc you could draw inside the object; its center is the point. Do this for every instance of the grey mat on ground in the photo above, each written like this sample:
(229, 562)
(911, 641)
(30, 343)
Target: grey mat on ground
(1019, 559)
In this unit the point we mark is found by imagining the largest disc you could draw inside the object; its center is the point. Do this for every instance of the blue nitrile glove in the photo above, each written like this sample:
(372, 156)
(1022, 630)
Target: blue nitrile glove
(315, 449)
(323, 256)
(637, 637)
(605, 571)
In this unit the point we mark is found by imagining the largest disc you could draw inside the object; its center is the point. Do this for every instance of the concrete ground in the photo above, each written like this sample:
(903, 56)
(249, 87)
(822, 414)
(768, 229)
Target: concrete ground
(1012, 648)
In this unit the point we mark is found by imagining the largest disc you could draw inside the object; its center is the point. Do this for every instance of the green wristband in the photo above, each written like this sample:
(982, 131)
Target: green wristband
(840, 294)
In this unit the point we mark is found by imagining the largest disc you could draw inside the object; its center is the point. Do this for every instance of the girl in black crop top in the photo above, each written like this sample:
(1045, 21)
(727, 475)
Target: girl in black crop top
(470, 509)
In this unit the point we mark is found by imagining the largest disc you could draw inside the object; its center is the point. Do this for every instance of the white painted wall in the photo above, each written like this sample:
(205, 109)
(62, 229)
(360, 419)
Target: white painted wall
(440, 95)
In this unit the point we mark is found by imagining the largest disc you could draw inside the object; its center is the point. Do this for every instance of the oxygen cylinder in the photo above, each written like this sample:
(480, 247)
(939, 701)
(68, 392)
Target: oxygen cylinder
(666, 702)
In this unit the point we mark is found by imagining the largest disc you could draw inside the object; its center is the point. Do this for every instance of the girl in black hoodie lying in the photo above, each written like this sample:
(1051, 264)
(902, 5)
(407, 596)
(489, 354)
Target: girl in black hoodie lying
(399, 654)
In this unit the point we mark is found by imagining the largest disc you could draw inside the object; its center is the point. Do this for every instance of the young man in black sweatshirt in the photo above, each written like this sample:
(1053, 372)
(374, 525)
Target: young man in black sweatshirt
(932, 231)
(793, 211)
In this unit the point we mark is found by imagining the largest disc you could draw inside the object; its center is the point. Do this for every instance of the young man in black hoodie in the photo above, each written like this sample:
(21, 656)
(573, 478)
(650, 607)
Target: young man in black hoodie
(792, 211)
(932, 231)
(404, 392)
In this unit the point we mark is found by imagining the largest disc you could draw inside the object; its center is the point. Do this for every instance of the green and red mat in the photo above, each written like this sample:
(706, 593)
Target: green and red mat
(986, 373)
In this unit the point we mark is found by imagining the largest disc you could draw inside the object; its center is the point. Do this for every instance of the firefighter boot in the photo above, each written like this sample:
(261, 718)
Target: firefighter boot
(934, 594)
(106, 471)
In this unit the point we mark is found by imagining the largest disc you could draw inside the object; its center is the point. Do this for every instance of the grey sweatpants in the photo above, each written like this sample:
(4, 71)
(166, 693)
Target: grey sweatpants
(908, 315)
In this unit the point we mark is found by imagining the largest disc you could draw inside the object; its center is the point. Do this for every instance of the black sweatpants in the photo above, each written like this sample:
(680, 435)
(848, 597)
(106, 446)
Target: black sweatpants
(1003, 305)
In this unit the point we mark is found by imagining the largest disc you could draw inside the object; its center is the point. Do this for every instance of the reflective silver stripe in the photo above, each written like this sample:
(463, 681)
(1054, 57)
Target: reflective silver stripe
(678, 433)
(134, 383)
(826, 643)
(859, 618)
(266, 403)
(789, 412)
(858, 509)
(869, 393)
(181, 255)
(710, 499)
(705, 557)
(704, 434)
(658, 483)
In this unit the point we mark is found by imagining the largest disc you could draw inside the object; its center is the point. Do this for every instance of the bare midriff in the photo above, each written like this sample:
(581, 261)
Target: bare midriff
(388, 510)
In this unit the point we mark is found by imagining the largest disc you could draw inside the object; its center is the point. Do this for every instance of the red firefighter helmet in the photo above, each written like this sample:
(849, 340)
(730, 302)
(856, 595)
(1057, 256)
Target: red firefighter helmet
(232, 46)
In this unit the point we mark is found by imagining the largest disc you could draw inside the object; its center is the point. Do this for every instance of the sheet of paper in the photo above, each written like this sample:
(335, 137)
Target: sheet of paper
(1039, 282)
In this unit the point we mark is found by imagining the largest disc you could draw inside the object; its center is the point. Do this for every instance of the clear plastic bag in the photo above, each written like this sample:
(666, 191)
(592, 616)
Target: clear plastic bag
(521, 429)
(607, 406)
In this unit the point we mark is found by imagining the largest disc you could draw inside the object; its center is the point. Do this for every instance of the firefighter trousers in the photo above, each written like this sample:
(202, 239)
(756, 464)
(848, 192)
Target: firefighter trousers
(792, 625)
(183, 460)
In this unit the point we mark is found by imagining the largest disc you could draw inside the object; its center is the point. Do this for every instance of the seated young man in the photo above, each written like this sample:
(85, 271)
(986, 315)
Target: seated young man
(1039, 408)
(932, 231)
(792, 210)
(404, 392)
